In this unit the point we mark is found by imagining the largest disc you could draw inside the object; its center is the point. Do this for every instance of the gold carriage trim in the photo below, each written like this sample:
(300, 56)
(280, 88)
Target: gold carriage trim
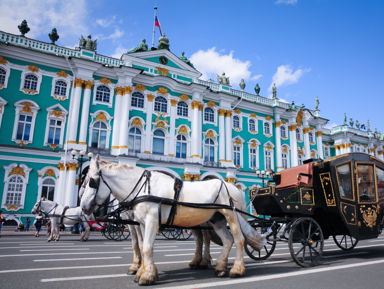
(17, 171)
(349, 213)
(306, 197)
(326, 184)
(369, 215)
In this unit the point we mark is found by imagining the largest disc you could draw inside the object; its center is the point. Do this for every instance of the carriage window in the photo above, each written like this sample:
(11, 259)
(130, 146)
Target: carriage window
(380, 182)
(366, 183)
(345, 181)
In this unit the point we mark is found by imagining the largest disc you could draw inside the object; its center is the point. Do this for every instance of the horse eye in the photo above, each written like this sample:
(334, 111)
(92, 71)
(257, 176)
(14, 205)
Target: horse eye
(93, 183)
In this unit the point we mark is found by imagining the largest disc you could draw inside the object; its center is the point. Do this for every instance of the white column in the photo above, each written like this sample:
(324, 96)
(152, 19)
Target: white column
(279, 161)
(70, 185)
(319, 140)
(337, 149)
(228, 135)
(60, 184)
(74, 112)
(172, 128)
(195, 131)
(307, 148)
(200, 132)
(115, 148)
(85, 113)
(124, 120)
(221, 135)
(148, 124)
(293, 145)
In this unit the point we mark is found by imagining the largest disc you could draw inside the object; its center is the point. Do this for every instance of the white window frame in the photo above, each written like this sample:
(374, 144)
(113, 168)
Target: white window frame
(19, 106)
(109, 127)
(311, 133)
(214, 116)
(111, 95)
(7, 73)
(327, 148)
(241, 146)
(62, 118)
(300, 131)
(165, 141)
(39, 76)
(256, 124)
(257, 148)
(214, 149)
(300, 158)
(141, 139)
(167, 104)
(240, 128)
(270, 128)
(67, 81)
(8, 169)
(186, 145)
(286, 131)
(3, 103)
(177, 110)
(42, 177)
(271, 150)
(144, 101)
(288, 156)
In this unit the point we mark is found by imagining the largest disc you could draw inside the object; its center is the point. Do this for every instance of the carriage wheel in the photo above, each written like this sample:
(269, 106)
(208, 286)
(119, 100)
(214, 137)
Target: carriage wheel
(345, 242)
(105, 232)
(306, 242)
(268, 248)
(114, 232)
(183, 234)
(168, 234)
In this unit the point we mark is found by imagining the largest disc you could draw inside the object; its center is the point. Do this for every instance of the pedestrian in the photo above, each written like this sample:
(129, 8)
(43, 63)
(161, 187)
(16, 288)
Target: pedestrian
(38, 223)
(2, 220)
(28, 224)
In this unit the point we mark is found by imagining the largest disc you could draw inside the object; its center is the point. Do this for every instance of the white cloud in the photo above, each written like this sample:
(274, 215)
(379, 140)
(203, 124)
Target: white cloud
(69, 17)
(211, 63)
(285, 75)
(119, 51)
(287, 2)
(105, 22)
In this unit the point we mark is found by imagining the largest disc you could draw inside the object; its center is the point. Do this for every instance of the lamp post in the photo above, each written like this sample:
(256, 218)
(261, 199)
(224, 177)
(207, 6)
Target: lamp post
(81, 157)
(263, 175)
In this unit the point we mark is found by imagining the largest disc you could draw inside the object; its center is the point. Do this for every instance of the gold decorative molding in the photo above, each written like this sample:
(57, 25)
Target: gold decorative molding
(174, 102)
(211, 103)
(292, 127)
(253, 144)
(237, 111)
(196, 104)
(222, 112)
(171, 155)
(230, 180)
(278, 123)
(371, 150)
(72, 141)
(127, 90)
(21, 143)
(253, 114)
(160, 124)
(300, 152)
(285, 149)
(162, 90)
(268, 147)
(119, 90)
(101, 116)
(237, 141)
(210, 134)
(184, 97)
(62, 73)
(88, 84)
(268, 117)
(56, 113)
(105, 80)
(162, 70)
(72, 166)
(183, 130)
(27, 107)
(299, 117)
(137, 122)
(319, 133)
(29, 91)
(283, 121)
(82, 143)
(147, 152)
(150, 97)
(228, 113)
(140, 87)
(306, 130)
(191, 177)
(33, 68)
(1, 86)
(78, 82)
(17, 171)
(12, 208)
(3, 60)
(53, 146)
(50, 173)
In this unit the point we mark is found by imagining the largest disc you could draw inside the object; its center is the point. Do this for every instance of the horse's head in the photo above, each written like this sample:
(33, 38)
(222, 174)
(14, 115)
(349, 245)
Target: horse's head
(93, 192)
(38, 207)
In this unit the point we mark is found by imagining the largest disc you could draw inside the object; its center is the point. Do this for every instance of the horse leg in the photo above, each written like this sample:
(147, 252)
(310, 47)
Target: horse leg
(220, 227)
(206, 262)
(150, 275)
(140, 271)
(136, 261)
(86, 231)
(238, 268)
(198, 236)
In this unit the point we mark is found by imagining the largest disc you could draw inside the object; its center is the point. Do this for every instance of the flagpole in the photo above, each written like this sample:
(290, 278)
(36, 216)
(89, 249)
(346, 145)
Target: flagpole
(153, 30)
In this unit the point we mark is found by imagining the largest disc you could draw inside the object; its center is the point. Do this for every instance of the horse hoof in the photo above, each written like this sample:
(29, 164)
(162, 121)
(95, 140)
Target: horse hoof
(235, 275)
(49, 240)
(221, 274)
(131, 273)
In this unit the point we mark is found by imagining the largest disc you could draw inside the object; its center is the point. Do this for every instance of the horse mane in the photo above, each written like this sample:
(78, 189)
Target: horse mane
(114, 168)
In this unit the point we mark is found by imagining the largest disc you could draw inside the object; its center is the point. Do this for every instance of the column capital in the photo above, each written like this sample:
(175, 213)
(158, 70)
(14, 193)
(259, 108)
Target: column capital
(174, 102)
(72, 166)
(127, 90)
(278, 124)
(150, 97)
(292, 127)
(228, 113)
(221, 112)
(88, 84)
(319, 133)
(197, 104)
(306, 130)
(119, 90)
(79, 82)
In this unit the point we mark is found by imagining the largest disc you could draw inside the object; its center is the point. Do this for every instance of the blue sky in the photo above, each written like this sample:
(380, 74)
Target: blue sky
(332, 49)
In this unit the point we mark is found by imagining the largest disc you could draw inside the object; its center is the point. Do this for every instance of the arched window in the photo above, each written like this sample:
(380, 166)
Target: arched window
(103, 93)
(2, 76)
(158, 142)
(14, 191)
(160, 104)
(134, 140)
(284, 158)
(267, 128)
(253, 157)
(30, 82)
(24, 125)
(251, 125)
(137, 100)
(236, 121)
(283, 131)
(311, 138)
(182, 109)
(236, 155)
(209, 115)
(99, 135)
(54, 131)
(48, 189)
(60, 88)
(298, 134)
(268, 159)
(181, 146)
(300, 159)
(209, 150)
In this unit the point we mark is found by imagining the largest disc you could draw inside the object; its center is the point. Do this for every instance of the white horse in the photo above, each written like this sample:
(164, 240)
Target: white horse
(58, 215)
(130, 184)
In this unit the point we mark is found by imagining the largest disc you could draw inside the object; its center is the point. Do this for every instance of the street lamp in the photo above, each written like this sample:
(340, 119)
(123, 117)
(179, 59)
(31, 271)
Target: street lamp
(263, 175)
(81, 157)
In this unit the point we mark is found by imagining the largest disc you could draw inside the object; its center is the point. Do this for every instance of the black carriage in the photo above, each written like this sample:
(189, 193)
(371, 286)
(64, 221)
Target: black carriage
(342, 197)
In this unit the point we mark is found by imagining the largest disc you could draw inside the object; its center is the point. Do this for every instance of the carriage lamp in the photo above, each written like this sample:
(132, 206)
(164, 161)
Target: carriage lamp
(263, 175)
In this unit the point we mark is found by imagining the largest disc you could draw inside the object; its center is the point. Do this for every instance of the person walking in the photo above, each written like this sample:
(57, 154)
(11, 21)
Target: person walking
(2, 220)
(38, 223)
(28, 224)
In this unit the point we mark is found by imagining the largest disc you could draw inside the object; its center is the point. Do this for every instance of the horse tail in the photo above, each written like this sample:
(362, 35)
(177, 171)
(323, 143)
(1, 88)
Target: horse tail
(252, 237)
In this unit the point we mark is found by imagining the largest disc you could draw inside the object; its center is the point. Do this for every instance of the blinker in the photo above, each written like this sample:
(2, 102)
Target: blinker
(93, 183)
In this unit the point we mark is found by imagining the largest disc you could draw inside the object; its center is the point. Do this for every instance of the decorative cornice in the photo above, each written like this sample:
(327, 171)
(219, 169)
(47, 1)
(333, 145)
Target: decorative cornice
(105, 80)
(62, 73)
(211, 103)
(162, 70)
(17, 171)
(184, 97)
(33, 68)
(140, 87)
(162, 90)
(101, 116)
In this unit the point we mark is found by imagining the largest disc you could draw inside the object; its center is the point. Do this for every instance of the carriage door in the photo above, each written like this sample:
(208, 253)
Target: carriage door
(368, 208)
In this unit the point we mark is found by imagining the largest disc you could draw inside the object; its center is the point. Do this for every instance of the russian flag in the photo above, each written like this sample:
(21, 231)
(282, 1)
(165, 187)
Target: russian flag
(157, 24)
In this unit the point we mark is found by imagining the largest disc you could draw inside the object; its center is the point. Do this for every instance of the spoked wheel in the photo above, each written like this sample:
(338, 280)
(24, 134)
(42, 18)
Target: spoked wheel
(345, 242)
(114, 232)
(168, 233)
(268, 248)
(306, 242)
(183, 234)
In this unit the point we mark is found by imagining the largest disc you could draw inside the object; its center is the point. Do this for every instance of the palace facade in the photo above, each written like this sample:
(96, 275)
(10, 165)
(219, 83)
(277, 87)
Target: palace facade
(151, 109)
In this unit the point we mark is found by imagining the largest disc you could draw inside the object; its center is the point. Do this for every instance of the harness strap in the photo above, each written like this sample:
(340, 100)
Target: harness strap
(63, 215)
(177, 186)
